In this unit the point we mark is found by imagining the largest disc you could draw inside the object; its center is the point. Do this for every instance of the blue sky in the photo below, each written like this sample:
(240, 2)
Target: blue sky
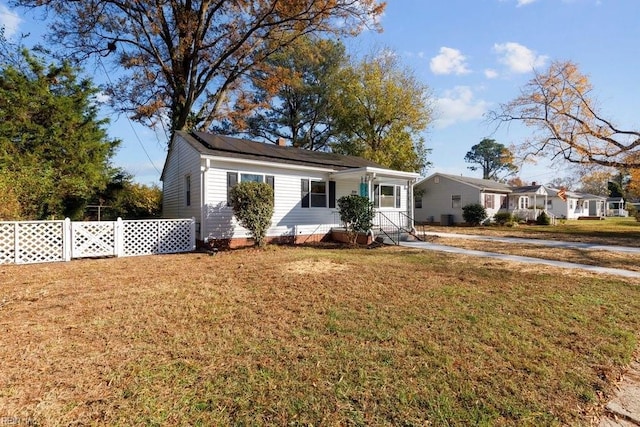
(474, 55)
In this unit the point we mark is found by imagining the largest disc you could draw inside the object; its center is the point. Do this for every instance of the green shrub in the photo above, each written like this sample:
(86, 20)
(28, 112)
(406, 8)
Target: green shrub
(503, 218)
(252, 204)
(356, 213)
(474, 214)
(543, 219)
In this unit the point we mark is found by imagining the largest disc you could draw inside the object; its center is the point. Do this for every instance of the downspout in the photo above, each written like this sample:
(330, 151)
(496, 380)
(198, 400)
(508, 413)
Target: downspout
(411, 204)
(203, 197)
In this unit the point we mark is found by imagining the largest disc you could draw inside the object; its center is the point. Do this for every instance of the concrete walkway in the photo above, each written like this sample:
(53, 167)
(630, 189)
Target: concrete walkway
(624, 409)
(530, 260)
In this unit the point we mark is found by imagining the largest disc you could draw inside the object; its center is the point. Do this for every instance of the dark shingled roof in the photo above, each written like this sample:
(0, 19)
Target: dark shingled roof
(226, 146)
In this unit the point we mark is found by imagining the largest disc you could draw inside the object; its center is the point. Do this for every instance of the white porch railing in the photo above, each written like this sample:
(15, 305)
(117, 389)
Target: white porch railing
(532, 214)
(27, 242)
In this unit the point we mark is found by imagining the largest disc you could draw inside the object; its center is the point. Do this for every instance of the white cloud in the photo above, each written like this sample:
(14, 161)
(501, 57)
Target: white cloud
(490, 73)
(9, 20)
(525, 2)
(518, 58)
(449, 61)
(458, 105)
(102, 98)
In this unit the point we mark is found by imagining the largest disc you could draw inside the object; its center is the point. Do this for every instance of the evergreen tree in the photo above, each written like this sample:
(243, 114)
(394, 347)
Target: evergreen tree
(53, 147)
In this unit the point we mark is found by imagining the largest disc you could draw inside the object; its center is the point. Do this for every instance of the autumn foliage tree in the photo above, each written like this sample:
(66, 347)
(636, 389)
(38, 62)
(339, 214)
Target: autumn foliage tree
(380, 112)
(560, 106)
(190, 59)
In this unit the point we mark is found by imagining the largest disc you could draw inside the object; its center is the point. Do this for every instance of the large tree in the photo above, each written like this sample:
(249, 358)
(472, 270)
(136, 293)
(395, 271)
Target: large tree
(560, 106)
(380, 112)
(294, 97)
(53, 148)
(495, 159)
(189, 59)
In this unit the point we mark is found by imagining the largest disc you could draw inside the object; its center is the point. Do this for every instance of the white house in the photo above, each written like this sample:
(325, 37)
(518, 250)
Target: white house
(574, 205)
(529, 201)
(200, 169)
(440, 197)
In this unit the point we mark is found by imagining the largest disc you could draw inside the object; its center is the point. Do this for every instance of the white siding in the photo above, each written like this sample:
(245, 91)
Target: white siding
(289, 216)
(182, 160)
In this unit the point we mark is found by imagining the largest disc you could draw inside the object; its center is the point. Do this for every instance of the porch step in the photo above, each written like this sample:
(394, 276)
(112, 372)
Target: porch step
(391, 237)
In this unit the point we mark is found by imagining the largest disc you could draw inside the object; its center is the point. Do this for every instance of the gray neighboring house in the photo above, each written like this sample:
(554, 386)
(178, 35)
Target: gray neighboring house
(440, 197)
(200, 168)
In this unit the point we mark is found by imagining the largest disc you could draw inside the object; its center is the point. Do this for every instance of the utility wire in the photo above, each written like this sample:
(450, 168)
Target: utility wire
(130, 122)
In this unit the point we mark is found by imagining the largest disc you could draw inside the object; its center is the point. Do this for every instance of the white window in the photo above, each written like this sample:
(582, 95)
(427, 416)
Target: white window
(317, 193)
(387, 196)
(456, 201)
(489, 201)
(523, 202)
(251, 177)
(232, 179)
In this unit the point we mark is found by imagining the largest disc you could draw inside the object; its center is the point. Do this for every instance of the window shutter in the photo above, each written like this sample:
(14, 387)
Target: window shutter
(232, 179)
(187, 184)
(304, 184)
(398, 198)
(332, 194)
(270, 180)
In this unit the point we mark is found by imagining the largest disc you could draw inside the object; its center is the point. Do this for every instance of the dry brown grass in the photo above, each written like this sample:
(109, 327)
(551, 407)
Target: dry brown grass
(310, 336)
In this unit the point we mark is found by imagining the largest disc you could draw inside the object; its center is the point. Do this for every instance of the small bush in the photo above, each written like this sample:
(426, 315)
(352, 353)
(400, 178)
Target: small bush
(252, 204)
(502, 218)
(474, 214)
(543, 219)
(356, 213)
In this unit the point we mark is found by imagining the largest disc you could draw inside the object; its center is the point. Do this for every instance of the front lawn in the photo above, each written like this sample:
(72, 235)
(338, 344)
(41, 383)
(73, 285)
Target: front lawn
(311, 336)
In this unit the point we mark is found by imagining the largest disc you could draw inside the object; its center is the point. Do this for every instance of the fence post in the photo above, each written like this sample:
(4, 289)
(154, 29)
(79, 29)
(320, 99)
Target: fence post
(118, 237)
(67, 239)
(193, 233)
(16, 242)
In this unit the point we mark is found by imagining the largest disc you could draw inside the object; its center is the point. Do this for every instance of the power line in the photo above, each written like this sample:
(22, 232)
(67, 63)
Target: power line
(130, 122)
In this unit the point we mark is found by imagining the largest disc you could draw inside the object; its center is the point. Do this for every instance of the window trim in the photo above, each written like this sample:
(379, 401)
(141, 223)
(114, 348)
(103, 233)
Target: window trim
(523, 202)
(397, 196)
(489, 201)
(236, 177)
(456, 201)
(306, 196)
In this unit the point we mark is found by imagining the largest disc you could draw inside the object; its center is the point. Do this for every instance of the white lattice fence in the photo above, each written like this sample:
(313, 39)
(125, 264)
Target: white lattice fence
(158, 236)
(93, 239)
(33, 241)
(50, 241)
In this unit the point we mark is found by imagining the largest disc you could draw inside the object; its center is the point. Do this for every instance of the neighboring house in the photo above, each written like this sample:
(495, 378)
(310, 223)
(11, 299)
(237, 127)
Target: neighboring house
(574, 205)
(528, 202)
(201, 168)
(440, 197)
(616, 207)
